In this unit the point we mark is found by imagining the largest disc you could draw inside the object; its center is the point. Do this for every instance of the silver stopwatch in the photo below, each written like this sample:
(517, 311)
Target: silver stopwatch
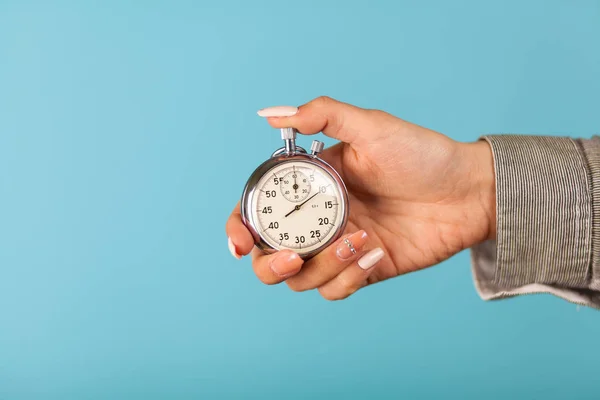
(295, 200)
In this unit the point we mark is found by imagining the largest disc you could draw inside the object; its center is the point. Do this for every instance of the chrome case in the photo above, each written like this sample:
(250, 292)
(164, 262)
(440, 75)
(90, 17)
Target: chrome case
(286, 154)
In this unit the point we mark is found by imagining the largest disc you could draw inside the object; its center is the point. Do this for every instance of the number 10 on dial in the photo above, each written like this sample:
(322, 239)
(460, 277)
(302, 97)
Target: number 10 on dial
(295, 201)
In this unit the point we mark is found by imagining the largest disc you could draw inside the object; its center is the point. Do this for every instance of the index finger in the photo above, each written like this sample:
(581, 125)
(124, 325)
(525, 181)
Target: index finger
(335, 119)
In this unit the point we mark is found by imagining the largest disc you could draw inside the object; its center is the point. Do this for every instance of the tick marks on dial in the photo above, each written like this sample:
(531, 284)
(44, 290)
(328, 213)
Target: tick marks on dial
(294, 185)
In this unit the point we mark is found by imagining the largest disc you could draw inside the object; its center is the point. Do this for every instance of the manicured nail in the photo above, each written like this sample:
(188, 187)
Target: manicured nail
(353, 242)
(371, 258)
(286, 263)
(232, 249)
(279, 111)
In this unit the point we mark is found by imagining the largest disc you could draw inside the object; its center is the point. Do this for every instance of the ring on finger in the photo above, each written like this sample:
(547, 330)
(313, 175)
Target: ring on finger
(350, 245)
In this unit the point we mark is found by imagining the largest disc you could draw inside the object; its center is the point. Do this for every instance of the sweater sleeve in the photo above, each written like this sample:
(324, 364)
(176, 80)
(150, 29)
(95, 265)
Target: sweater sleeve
(547, 220)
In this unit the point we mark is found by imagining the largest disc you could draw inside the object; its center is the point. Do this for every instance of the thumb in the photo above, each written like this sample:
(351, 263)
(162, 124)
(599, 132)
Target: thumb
(341, 121)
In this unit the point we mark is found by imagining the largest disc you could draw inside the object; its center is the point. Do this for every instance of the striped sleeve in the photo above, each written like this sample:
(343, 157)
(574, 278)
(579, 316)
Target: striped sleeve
(547, 219)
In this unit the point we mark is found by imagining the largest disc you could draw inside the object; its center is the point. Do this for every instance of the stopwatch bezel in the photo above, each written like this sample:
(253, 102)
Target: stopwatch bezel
(265, 167)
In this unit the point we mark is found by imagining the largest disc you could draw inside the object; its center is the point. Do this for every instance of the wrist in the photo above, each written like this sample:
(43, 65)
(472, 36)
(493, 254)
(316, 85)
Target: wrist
(483, 183)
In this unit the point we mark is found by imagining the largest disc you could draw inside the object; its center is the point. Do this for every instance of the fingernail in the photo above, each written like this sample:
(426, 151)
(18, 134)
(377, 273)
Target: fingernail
(278, 111)
(232, 249)
(371, 258)
(286, 263)
(357, 240)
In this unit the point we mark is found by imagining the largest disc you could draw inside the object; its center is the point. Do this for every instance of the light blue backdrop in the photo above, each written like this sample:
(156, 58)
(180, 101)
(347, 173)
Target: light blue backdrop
(127, 131)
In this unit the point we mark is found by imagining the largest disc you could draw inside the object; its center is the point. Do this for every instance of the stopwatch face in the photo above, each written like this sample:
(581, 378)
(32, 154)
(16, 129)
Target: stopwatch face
(297, 205)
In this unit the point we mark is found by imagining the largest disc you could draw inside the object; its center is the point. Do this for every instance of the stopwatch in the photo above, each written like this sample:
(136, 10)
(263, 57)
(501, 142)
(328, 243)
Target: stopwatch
(295, 200)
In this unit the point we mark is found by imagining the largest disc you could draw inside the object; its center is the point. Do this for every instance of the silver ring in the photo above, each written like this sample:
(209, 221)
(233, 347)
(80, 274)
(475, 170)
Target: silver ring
(350, 246)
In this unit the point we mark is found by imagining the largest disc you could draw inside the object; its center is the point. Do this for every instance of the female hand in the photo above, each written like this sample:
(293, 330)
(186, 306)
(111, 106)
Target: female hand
(417, 197)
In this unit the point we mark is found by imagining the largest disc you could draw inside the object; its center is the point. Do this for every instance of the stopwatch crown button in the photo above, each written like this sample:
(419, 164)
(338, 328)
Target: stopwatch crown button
(288, 134)
(316, 147)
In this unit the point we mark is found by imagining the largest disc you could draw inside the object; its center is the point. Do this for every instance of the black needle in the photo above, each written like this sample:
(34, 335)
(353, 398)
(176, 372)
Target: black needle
(295, 183)
(296, 208)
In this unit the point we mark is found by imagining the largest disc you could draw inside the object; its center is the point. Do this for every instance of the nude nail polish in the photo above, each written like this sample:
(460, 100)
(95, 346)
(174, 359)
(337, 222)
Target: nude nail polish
(232, 249)
(355, 241)
(286, 263)
(278, 111)
(371, 258)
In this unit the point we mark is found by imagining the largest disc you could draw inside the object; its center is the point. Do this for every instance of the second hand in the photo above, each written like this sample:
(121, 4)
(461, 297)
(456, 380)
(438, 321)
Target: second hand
(296, 208)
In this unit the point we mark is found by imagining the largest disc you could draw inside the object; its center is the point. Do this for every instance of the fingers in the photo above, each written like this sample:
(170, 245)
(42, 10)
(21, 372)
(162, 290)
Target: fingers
(329, 263)
(240, 240)
(277, 267)
(335, 119)
(270, 269)
(352, 278)
(335, 271)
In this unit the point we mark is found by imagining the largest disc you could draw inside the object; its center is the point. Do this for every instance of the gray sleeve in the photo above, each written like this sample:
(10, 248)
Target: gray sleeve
(547, 220)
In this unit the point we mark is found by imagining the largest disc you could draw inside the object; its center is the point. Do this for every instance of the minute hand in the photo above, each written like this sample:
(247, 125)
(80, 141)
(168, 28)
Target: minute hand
(300, 205)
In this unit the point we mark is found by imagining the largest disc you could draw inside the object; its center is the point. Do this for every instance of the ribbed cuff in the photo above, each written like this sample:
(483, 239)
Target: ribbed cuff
(591, 152)
(544, 218)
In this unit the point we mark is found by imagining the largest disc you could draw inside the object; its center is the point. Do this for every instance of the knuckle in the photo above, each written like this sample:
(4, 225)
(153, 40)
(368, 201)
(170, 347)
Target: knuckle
(267, 279)
(334, 295)
(264, 276)
(323, 100)
(377, 113)
(295, 286)
(328, 295)
(347, 285)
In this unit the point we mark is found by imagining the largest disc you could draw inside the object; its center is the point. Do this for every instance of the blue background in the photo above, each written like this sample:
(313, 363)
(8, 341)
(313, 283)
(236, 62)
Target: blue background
(127, 131)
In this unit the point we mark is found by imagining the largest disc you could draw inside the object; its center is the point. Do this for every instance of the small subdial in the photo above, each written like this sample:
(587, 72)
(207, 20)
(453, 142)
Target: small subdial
(295, 186)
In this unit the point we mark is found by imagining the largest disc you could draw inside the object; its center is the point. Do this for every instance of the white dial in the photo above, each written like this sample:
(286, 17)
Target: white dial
(286, 216)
